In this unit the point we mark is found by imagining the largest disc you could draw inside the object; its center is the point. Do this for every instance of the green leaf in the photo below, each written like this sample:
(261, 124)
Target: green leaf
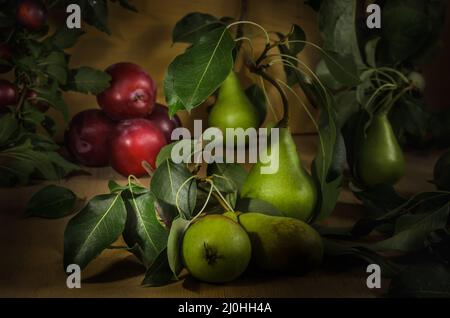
(343, 68)
(8, 128)
(328, 164)
(53, 97)
(344, 255)
(51, 202)
(193, 26)
(371, 51)
(257, 97)
(88, 80)
(193, 76)
(94, 229)
(166, 152)
(324, 75)
(142, 226)
(95, 12)
(256, 205)
(159, 273)
(227, 177)
(337, 24)
(65, 38)
(424, 280)
(174, 242)
(55, 66)
(405, 28)
(170, 180)
(412, 230)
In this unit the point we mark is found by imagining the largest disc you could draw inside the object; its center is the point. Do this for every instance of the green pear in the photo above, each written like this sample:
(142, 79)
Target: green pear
(281, 244)
(233, 109)
(216, 249)
(380, 159)
(290, 189)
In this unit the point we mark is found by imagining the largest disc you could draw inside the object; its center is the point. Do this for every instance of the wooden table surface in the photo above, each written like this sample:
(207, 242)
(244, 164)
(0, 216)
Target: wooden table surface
(32, 250)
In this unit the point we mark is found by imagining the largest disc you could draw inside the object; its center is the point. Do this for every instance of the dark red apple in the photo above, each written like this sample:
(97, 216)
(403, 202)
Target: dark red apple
(160, 117)
(39, 104)
(134, 141)
(87, 137)
(31, 14)
(5, 54)
(9, 94)
(132, 92)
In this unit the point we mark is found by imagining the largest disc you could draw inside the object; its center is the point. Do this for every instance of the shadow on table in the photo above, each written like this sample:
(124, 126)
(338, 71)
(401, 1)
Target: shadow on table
(120, 270)
(250, 278)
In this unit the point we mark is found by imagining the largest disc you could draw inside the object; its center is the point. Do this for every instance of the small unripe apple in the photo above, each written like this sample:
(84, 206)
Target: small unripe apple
(132, 142)
(40, 105)
(5, 54)
(31, 14)
(9, 94)
(87, 138)
(160, 117)
(132, 93)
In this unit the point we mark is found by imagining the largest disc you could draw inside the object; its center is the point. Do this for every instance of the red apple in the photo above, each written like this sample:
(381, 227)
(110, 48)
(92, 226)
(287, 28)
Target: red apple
(132, 142)
(5, 54)
(40, 105)
(31, 14)
(9, 94)
(160, 117)
(87, 138)
(132, 92)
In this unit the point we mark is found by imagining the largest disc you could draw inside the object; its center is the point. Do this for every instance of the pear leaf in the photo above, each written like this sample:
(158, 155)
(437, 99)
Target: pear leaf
(94, 229)
(257, 97)
(173, 184)
(227, 177)
(193, 26)
(142, 226)
(159, 273)
(174, 242)
(194, 75)
(327, 166)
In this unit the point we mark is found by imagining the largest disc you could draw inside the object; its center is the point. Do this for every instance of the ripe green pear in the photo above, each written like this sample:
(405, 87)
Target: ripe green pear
(380, 159)
(233, 109)
(291, 189)
(216, 249)
(281, 244)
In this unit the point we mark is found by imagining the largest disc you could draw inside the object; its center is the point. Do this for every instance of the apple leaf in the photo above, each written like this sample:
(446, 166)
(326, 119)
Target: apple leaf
(65, 38)
(94, 229)
(142, 226)
(51, 202)
(194, 75)
(88, 80)
(8, 128)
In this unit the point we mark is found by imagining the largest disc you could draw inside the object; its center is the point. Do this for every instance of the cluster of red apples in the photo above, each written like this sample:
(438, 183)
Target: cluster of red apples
(32, 16)
(130, 127)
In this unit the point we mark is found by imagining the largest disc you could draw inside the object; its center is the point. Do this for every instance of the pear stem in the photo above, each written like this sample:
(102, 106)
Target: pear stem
(284, 122)
(242, 17)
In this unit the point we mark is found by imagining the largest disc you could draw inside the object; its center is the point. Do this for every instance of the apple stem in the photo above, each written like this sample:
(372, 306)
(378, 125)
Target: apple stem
(22, 98)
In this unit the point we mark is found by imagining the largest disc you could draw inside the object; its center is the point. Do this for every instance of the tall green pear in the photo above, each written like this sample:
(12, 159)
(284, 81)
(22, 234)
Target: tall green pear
(380, 159)
(282, 244)
(233, 109)
(290, 189)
